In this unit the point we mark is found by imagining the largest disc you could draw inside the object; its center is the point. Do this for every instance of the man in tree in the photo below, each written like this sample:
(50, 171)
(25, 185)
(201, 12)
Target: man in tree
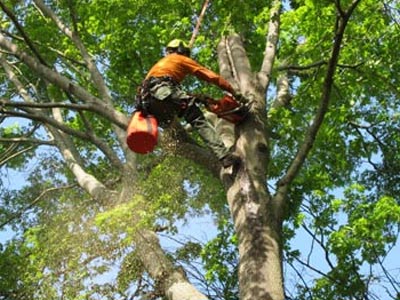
(162, 96)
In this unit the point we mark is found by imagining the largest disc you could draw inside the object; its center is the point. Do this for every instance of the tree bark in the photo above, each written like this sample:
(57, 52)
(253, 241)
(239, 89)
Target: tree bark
(257, 223)
(257, 226)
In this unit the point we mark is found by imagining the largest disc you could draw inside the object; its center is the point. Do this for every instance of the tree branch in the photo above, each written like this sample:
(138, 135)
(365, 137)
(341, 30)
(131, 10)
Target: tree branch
(27, 40)
(95, 74)
(33, 203)
(296, 69)
(176, 141)
(4, 158)
(283, 96)
(59, 123)
(11, 153)
(239, 62)
(65, 84)
(86, 136)
(225, 63)
(173, 281)
(271, 45)
(392, 281)
(90, 62)
(87, 181)
(289, 68)
(314, 269)
(309, 292)
(27, 140)
(32, 115)
(49, 48)
(321, 244)
(75, 38)
(73, 106)
(312, 132)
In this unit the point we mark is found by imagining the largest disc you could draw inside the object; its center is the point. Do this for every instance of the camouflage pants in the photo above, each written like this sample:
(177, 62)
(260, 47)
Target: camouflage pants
(169, 100)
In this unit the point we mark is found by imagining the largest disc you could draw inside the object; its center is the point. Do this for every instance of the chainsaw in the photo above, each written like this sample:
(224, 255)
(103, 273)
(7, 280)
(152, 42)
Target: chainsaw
(227, 108)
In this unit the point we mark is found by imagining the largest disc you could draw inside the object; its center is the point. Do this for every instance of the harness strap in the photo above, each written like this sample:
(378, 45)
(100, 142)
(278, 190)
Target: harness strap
(144, 96)
(153, 81)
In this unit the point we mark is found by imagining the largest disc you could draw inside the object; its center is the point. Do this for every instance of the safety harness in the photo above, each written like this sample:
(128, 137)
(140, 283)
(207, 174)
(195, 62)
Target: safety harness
(143, 94)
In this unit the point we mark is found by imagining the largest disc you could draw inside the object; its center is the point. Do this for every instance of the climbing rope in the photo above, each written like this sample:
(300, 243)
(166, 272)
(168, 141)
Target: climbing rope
(199, 20)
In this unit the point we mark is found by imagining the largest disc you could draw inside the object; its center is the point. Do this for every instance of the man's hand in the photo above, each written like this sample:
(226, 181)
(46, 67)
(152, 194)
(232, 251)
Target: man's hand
(239, 97)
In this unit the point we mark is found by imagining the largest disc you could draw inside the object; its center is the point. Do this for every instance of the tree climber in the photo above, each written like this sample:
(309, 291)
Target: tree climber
(162, 96)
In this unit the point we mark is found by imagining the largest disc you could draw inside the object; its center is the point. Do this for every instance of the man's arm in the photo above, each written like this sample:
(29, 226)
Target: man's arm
(211, 77)
(207, 75)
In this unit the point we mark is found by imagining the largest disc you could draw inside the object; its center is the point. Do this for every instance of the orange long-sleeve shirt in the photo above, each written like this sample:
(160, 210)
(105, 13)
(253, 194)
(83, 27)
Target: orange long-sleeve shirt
(179, 66)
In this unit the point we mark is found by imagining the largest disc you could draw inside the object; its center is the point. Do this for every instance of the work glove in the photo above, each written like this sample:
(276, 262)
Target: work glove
(239, 97)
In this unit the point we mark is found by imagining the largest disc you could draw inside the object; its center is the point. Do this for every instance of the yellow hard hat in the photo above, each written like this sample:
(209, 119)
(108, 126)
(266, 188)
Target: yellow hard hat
(179, 46)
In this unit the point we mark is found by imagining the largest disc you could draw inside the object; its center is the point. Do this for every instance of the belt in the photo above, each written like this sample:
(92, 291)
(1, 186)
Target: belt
(152, 81)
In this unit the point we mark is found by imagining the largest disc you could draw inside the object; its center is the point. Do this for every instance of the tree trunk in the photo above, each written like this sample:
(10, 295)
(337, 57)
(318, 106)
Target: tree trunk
(257, 218)
(259, 231)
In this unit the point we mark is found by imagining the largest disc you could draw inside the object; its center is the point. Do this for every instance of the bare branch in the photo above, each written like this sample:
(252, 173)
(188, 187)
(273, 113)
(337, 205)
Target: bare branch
(225, 63)
(289, 68)
(392, 281)
(4, 157)
(321, 244)
(239, 61)
(302, 279)
(32, 115)
(283, 97)
(346, 14)
(78, 107)
(20, 140)
(296, 69)
(11, 153)
(271, 45)
(314, 269)
(176, 141)
(73, 106)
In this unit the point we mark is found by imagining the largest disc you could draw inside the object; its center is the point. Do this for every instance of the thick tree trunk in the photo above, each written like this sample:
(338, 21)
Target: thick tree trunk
(260, 273)
(257, 218)
(258, 228)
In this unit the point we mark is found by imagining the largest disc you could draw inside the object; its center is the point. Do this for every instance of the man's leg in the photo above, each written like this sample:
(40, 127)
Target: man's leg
(195, 117)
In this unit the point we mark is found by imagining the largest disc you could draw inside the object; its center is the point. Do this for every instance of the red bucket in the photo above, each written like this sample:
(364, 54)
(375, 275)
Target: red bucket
(142, 133)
